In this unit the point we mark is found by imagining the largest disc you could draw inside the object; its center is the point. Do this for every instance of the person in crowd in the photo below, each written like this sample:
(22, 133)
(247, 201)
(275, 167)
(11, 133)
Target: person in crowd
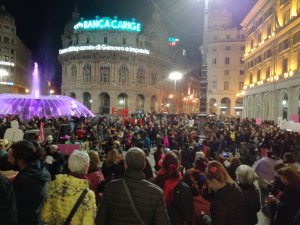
(31, 183)
(160, 150)
(227, 202)
(231, 169)
(4, 164)
(94, 174)
(245, 177)
(289, 159)
(115, 207)
(265, 171)
(113, 166)
(8, 215)
(49, 141)
(55, 161)
(289, 200)
(276, 188)
(178, 195)
(187, 157)
(220, 145)
(64, 192)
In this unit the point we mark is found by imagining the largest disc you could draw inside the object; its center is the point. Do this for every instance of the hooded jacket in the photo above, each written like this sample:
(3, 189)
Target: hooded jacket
(30, 187)
(62, 196)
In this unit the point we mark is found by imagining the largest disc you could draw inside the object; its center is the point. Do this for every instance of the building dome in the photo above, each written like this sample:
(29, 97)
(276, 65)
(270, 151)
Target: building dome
(5, 16)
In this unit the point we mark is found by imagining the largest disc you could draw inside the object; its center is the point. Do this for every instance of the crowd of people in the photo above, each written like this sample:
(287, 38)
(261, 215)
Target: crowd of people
(192, 181)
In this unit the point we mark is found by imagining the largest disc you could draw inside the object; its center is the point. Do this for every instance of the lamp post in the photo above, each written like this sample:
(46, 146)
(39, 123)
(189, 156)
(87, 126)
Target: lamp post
(203, 79)
(175, 76)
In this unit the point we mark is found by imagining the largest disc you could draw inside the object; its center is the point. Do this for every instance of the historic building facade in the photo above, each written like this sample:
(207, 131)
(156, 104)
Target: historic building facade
(272, 59)
(15, 58)
(225, 71)
(109, 64)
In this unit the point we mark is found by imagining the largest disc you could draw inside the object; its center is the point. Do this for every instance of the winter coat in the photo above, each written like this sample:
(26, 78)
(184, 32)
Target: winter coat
(95, 179)
(226, 207)
(62, 196)
(181, 208)
(31, 185)
(251, 203)
(115, 208)
(288, 206)
(8, 215)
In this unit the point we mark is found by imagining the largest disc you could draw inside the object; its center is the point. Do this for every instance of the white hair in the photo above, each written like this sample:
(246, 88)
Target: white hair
(245, 175)
(78, 161)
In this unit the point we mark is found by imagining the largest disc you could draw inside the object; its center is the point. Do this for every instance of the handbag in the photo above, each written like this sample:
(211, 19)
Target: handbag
(132, 203)
(75, 207)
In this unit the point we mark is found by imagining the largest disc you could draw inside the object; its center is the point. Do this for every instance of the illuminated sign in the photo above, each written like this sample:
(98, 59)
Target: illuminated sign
(173, 41)
(7, 63)
(103, 48)
(7, 83)
(106, 23)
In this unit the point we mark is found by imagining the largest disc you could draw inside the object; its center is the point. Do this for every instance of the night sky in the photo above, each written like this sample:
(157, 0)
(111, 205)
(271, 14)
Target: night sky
(40, 23)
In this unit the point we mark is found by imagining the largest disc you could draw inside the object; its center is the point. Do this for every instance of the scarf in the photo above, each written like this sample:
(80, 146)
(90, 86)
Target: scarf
(169, 186)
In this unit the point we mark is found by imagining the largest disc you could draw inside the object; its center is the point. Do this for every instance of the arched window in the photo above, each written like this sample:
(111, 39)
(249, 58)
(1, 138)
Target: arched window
(123, 74)
(73, 73)
(140, 75)
(87, 75)
(153, 78)
(104, 73)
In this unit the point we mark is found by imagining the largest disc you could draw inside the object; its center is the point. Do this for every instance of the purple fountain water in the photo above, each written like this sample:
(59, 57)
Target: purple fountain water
(28, 106)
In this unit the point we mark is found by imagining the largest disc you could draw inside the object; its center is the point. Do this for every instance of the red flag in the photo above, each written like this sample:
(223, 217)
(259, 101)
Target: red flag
(41, 132)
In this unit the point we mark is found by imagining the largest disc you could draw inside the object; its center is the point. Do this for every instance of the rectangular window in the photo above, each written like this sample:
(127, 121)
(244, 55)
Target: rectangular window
(6, 40)
(241, 86)
(269, 30)
(228, 36)
(227, 60)
(124, 41)
(227, 48)
(214, 61)
(285, 63)
(226, 85)
(258, 75)
(242, 72)
(226, 72)
(251, 78)
(105, 40)
(286, 16)
(268, 71)
(241, 60)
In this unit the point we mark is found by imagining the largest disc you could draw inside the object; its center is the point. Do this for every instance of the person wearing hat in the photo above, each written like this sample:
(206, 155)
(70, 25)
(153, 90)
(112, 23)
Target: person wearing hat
(54, 161)
(4, 144)
(49, 141)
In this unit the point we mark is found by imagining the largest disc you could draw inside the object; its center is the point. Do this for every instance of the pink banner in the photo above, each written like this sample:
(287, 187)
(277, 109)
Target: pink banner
(258, 121)
(295, 118)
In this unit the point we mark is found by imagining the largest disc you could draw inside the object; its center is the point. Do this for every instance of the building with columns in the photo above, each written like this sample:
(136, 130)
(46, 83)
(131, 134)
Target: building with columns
(110, 64)
(15, 58)
(272, 59)
(225, 65)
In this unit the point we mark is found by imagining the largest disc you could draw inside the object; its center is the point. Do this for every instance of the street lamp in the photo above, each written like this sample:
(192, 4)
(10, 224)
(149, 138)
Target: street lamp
(3, 73)
(203, 79)
(51, 92)
(175, 76)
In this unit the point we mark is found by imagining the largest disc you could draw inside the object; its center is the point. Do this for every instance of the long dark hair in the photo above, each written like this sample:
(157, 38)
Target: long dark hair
(169, 170)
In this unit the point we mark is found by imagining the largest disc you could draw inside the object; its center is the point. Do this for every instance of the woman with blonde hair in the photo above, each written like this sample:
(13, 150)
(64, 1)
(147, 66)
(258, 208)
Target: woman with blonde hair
(227, 202)
(94, 174)
(113, 166)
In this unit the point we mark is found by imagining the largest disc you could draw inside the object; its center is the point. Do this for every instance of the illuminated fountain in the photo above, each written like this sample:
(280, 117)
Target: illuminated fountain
(28, 106)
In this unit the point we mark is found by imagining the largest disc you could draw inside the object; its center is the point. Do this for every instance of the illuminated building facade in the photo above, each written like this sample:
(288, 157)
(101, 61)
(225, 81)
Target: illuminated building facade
(225, 66)
(272, 60)
(15, 58)
(110, 64)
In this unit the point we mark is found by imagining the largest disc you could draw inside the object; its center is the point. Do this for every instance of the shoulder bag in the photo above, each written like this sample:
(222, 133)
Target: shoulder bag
(75, 207)
(132, 203)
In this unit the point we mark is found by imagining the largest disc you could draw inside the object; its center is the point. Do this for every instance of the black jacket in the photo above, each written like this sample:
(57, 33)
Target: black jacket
(31, 185)
(115, 208)
(181, 209)
(251, 204)
(226, 207)
(8, 210)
